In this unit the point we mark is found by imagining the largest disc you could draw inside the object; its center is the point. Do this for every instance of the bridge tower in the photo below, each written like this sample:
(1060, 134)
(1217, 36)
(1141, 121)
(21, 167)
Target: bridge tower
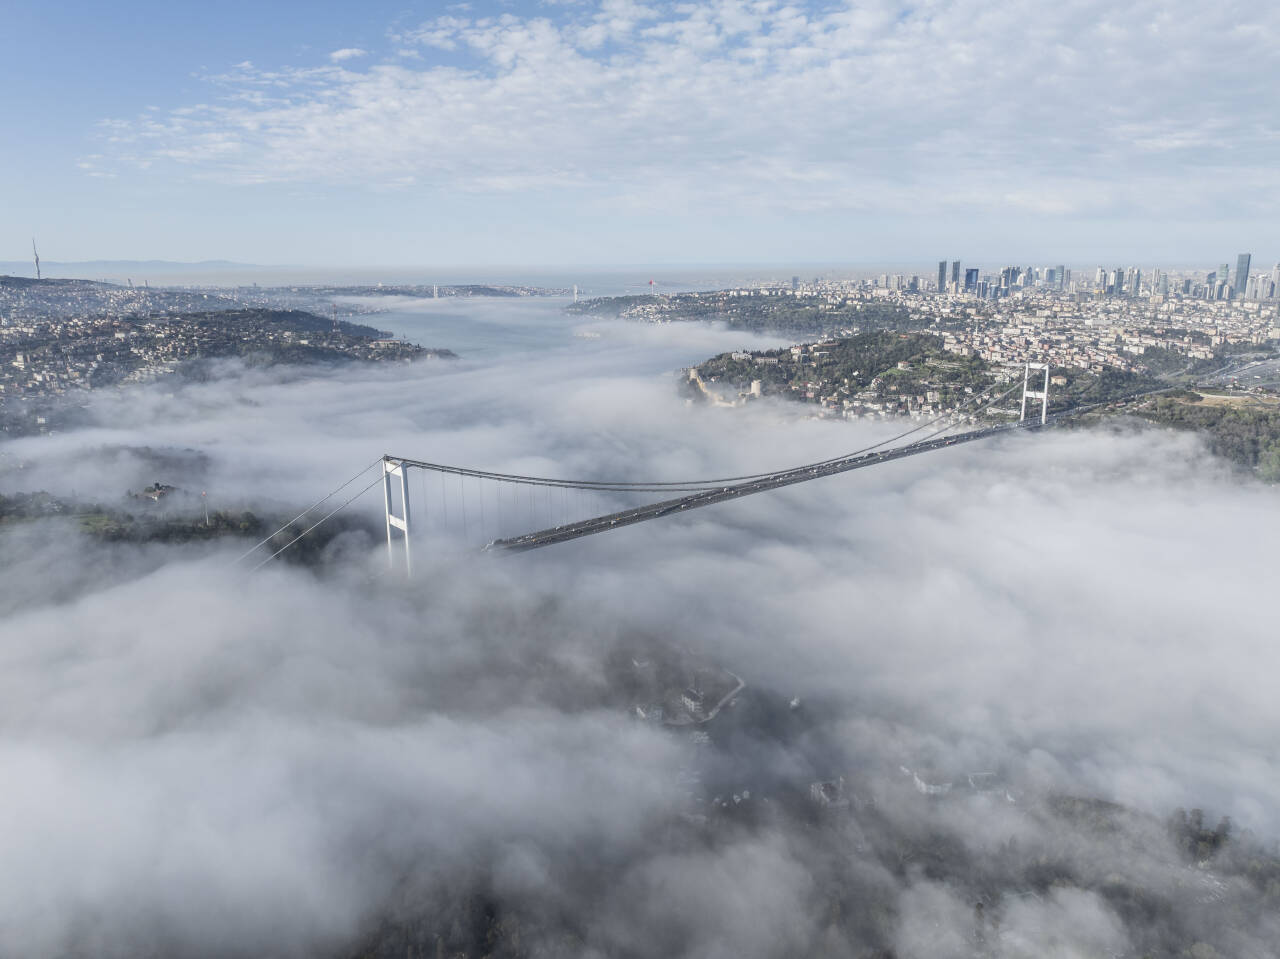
(392, 467)
(1041, 394)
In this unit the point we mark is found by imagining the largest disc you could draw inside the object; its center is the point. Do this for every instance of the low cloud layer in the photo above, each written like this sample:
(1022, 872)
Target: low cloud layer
(203, 761)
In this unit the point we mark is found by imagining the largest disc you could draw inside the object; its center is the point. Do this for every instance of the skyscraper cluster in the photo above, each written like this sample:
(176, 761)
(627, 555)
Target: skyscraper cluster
(1219, 284)
(1131, 282)
(1009, 279)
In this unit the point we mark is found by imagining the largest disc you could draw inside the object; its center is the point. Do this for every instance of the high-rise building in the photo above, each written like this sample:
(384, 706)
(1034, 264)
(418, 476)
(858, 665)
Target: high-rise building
(1242, 273)
(970, 281)
(942, 275)
(1060, 277)
(955, 275)
(1117, 282)
(1132, 281)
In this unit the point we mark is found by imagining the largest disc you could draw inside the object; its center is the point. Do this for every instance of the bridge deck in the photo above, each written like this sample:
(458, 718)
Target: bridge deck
(640, 514)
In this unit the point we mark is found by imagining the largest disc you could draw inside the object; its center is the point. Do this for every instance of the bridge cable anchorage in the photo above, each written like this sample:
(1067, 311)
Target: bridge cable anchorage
(313, 506)
(322, 519)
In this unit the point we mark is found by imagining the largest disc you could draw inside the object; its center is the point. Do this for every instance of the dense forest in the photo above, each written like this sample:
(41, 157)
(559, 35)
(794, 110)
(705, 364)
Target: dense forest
(856, 359)
(896, 365)
(800, 316)
(1240, 428)
(1246, 433)
(138, 519)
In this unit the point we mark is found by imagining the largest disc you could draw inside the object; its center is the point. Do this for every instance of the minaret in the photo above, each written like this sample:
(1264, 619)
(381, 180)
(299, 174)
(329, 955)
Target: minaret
(36, 255)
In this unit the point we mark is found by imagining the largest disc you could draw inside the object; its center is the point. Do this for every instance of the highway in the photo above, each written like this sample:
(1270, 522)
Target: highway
(640, 514)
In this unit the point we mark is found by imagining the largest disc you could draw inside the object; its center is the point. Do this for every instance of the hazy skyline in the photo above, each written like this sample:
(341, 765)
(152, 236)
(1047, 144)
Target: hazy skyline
(582, 133)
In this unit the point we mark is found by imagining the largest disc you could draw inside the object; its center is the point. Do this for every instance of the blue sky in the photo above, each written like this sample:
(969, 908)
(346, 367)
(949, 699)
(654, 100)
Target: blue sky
(624, 132)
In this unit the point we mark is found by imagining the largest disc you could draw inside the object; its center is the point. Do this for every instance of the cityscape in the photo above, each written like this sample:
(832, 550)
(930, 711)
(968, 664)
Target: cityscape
(64, 336)
(1219, 284)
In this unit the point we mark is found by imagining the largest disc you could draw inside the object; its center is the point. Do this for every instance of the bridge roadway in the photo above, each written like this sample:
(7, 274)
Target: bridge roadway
(640, 514)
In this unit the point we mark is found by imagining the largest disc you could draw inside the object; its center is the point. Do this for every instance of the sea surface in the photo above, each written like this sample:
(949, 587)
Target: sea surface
(501, 330)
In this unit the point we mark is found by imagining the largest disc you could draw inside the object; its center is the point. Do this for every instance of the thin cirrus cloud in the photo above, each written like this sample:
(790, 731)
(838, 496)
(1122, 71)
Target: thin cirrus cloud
(1073, 108)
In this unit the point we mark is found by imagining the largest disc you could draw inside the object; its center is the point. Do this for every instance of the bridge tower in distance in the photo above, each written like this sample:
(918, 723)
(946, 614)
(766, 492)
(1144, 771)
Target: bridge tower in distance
(394, 467)
(1041, 394)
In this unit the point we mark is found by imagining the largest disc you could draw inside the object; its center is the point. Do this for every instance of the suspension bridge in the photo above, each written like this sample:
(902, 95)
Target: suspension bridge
(510, 512)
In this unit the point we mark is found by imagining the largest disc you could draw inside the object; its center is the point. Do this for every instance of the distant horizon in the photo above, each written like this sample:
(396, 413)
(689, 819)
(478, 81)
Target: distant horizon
(58, 269)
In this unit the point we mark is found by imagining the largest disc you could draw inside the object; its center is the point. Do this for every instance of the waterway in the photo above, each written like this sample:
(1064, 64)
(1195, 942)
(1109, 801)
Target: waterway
(494, 331)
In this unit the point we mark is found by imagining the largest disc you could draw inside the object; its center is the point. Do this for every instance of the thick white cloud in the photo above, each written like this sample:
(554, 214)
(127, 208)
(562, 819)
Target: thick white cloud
(1082, 610)
(1082, 107)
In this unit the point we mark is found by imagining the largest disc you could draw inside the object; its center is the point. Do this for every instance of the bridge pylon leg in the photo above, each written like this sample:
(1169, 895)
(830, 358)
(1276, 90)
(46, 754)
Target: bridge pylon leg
(392, 467)
(1041, 394)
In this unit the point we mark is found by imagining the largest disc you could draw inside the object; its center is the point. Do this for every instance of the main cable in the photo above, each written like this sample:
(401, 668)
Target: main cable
(708, 485)
(682, 486)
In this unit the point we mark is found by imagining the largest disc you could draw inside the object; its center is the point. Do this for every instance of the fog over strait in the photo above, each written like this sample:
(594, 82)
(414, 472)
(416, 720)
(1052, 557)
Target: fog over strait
(326, 759)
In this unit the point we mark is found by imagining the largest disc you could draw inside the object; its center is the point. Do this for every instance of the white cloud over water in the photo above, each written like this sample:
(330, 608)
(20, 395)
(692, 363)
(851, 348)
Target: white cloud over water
(203, 761)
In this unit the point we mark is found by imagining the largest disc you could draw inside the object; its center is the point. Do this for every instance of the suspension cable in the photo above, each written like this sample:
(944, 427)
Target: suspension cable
(634, 487)
(322, 519)
(313, 506)
(682, 486)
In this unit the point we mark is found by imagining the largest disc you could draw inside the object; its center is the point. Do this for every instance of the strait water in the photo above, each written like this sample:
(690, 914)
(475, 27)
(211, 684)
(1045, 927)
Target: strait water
(496, 331)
